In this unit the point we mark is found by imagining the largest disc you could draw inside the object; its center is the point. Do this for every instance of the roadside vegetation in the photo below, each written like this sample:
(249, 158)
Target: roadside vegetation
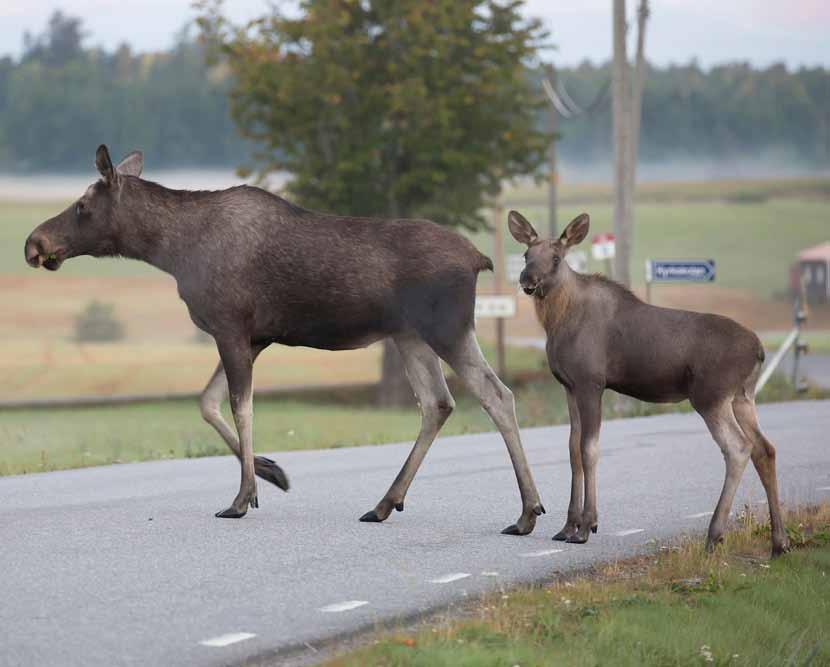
(55, 439)
(675, 606)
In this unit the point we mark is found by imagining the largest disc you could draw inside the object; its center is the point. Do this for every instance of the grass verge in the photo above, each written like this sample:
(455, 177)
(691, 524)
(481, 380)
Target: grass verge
(678, 606)
(57, 439)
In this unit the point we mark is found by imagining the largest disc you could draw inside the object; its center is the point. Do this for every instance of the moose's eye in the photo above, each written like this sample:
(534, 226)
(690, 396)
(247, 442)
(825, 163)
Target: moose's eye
(556, 260)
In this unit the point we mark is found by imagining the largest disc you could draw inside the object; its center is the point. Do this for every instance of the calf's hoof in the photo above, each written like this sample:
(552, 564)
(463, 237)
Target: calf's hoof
(371, 517)
(230, 513)
(268, 470)
(569, 530)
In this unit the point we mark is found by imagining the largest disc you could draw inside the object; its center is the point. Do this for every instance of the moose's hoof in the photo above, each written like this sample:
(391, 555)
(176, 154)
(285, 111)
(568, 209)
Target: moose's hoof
(577, 539)
(271, 472)
(516, 529)
(564, 534)
(780, 550)
(539, 510)
(230, 513)
(594, 529)
(399, 506)
(371, 517)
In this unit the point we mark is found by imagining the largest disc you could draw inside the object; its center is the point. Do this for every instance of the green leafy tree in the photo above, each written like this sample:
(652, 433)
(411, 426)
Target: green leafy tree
(389, 108)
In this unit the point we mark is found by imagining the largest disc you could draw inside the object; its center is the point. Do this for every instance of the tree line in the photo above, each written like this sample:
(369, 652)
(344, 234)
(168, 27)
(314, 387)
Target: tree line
(59, 98)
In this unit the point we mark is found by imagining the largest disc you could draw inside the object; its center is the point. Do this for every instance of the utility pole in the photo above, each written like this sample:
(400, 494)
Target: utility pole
(552, 175)
(498, 280)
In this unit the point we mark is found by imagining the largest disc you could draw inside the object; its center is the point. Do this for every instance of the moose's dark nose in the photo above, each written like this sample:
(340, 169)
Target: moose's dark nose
(35, 251)
(528, 282)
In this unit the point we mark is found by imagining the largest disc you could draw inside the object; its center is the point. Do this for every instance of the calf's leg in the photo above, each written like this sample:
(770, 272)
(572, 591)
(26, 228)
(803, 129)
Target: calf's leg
(237, 359)
(468, 362)
(589, 406)
(423, 368)
(763, 458)
(211, 401)
(577, 478)
(736, 448)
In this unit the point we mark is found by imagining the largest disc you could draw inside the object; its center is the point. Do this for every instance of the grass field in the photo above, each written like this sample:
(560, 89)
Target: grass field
(679, 606)
(54, 439)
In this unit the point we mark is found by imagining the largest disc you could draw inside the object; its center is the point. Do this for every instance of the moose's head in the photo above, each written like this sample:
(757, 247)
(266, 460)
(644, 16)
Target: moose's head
(89, 226)
(544, 257)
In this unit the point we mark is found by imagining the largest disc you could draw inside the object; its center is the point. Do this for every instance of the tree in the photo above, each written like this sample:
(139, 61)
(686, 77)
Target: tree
(61, 43)
(392, 109)
(626, 114)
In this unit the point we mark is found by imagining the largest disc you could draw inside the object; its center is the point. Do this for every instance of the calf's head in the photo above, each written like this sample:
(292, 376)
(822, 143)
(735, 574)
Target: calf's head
(90, 225)
(544, 257)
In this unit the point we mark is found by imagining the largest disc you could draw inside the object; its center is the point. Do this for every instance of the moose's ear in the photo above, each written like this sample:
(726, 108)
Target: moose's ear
(104, 165)
(131, 164)
(577, 230)
(521, 229)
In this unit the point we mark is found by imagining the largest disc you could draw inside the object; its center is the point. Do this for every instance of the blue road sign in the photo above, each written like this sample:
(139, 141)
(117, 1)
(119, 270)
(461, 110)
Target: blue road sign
(680, 270)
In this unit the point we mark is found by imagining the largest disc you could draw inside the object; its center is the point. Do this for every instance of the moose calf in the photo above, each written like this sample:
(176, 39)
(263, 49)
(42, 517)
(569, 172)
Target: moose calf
(600, 335)
(254, 270)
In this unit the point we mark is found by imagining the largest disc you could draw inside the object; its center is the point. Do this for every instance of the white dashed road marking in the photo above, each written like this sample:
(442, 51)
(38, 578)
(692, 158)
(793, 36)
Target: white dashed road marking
(823, 488)
(226, 640)
(539, 554)
(699, 515)
(448, 578)
(343, 606)
(632, 531)
(489, 574)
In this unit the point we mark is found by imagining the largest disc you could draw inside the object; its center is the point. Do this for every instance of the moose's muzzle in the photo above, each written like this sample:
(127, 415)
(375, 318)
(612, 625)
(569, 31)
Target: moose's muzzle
(40, 252)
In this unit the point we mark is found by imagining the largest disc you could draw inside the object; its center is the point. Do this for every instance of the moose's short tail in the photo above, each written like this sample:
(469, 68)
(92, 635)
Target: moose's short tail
(484, 263)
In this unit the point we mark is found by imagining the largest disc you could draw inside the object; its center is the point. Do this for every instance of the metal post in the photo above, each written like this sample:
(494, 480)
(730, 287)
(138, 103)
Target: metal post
(552, 177)
(498, 261)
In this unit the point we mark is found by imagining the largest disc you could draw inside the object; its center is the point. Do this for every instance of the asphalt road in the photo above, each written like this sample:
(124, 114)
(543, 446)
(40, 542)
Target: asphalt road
(126, 565)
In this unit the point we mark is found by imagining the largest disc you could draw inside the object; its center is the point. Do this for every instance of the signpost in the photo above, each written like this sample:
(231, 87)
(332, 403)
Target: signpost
(678, 271)
(495, 306)
(604, 247)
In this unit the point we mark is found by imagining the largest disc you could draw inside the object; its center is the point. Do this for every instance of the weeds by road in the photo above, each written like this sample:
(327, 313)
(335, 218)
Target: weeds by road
(678, 606)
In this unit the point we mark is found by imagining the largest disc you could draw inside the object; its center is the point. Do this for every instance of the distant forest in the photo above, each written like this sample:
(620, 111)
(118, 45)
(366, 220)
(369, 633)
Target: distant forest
(60, 100)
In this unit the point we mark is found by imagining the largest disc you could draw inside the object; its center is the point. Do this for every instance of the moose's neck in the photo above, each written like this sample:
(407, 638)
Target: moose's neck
(155, 224)
(553, 307)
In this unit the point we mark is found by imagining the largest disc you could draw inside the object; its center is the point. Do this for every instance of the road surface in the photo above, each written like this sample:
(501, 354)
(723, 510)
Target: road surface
(125, 565)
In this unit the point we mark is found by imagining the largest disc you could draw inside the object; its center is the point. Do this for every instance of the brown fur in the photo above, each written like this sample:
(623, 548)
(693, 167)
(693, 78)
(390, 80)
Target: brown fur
(601, 336)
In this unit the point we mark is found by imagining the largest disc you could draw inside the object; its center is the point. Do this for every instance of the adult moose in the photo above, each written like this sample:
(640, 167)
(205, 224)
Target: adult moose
(600, 335)
(254, 269)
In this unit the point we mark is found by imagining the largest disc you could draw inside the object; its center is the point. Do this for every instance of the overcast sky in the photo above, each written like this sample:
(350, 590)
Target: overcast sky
(713, 31)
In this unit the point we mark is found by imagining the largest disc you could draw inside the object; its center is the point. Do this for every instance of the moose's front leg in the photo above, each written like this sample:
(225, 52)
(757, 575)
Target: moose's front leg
(575, 505)
(237, 358)
(589, 404)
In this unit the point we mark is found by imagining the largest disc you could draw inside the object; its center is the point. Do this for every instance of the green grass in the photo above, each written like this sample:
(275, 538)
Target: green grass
(677, 607)
(818, 341)
(55, 439)
(753, 245)
(738, 191)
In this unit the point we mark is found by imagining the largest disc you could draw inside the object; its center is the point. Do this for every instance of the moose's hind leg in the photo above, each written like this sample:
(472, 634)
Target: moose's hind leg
(736, 448)
(468, 362)
(763, 458)
(423, 368)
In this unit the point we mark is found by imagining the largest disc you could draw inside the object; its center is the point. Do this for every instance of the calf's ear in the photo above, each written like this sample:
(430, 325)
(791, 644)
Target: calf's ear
(104, 165)
(520, 228)
(131, 164)
(577, 230)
